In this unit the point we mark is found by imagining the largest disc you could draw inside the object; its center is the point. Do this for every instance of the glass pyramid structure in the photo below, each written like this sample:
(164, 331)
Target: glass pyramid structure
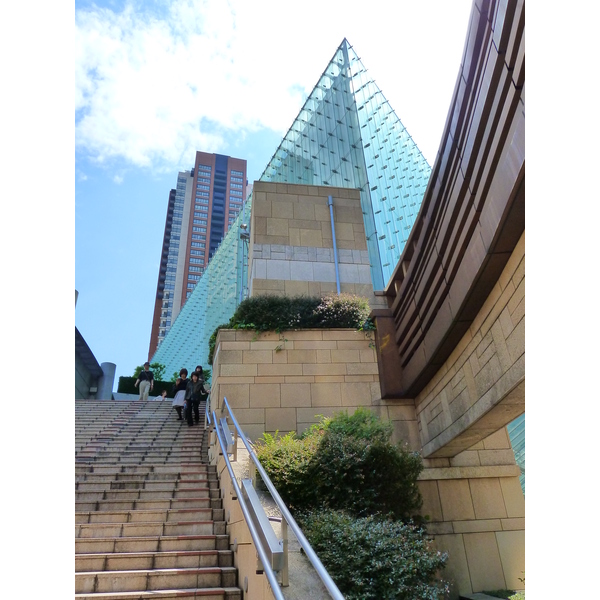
(346, 135)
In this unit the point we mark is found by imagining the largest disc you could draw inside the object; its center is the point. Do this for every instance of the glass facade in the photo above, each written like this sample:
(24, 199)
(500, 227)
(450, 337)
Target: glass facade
(346, 135)
(213, 301)
(516, 433)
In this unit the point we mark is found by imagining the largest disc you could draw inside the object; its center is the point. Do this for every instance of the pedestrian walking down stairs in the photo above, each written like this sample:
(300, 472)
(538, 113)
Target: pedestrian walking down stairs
(149, 521)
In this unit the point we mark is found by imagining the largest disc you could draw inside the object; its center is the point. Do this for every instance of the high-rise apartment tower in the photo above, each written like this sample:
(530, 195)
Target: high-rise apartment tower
(200, 211)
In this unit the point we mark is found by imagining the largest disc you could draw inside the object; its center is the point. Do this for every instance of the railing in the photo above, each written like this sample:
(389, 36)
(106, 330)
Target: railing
(207, 421)
(260, 530)
(265, 559)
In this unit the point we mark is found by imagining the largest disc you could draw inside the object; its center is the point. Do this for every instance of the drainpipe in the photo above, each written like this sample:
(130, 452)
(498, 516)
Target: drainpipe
(335, 256)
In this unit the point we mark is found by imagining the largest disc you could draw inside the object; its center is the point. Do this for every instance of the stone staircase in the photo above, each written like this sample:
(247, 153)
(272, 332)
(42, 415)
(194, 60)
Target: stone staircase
(149, 521)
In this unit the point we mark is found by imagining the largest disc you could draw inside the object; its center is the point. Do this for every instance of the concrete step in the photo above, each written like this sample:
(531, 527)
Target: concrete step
(144, 469)
(231, 593)
(150, 516)
(167, 503)
(116, 462)
(154, 579)
(150, 445)
(142, 494)
(99, 530)
(150, 476)
(144, 484)
(148, 455)
(179, 543)
(131, 561)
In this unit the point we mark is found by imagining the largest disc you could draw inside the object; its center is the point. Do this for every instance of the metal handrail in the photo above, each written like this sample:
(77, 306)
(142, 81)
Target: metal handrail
(207, 422)
(304, 543)
(266, 563)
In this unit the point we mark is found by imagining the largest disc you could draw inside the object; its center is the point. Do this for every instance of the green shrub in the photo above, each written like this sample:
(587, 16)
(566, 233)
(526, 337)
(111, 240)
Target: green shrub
(373, 558)
(365, 478)
(278, 313)
(126, 386)
(363, 486)
(346, 462)
(287, 461)
(359, 470)
(345, 310)
(362, 424)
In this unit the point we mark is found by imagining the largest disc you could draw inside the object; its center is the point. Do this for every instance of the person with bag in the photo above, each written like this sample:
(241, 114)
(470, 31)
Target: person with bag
(179, 393)
(196, 387)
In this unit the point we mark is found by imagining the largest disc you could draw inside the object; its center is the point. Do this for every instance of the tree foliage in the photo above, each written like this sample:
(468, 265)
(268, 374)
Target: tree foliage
(158, 370)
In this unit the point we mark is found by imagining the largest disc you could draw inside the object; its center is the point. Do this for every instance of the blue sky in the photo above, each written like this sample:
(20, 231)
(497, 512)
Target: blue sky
(156, 81)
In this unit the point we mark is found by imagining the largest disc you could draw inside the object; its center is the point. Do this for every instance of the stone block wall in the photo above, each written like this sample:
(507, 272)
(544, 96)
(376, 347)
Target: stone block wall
(281, 382)
(254, 585)
(476, 509)
(291, 245)
(481, 387)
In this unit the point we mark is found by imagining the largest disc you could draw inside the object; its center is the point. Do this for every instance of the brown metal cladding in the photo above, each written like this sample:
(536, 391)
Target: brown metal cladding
(472, 213)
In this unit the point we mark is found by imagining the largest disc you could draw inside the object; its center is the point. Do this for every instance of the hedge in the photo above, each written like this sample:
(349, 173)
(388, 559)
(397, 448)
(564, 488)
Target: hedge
(126, 386)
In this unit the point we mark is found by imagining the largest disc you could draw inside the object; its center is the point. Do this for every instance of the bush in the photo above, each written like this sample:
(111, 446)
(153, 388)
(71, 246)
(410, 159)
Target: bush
(373, 558)
(349, 488)
(278, 313)
(126, 386)
(362, 424)
(287, 461)
(364, 477)
(345, 310)
(344, 463)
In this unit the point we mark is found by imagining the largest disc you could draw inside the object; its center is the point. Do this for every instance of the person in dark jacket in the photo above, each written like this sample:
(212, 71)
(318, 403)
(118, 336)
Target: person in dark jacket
(179, 393)
(196, 391)
(146, 381)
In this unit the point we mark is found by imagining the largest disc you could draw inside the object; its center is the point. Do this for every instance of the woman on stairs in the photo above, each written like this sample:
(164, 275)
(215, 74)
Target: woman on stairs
(179, 393)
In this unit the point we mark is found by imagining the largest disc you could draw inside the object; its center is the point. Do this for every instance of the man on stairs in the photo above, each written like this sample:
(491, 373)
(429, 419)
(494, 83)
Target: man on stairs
(146, 381)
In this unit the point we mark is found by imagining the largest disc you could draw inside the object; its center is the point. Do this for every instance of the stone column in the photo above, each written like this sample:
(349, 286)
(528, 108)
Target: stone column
(106, 381)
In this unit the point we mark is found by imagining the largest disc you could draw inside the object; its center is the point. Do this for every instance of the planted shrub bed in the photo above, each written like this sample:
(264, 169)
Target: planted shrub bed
(355, 495)
(373, 557)
(278, 313)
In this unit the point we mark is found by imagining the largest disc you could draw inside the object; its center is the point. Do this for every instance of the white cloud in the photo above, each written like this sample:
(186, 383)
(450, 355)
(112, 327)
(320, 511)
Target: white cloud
(152, 90)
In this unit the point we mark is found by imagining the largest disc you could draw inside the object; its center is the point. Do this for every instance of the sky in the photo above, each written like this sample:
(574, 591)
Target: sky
(156, 81)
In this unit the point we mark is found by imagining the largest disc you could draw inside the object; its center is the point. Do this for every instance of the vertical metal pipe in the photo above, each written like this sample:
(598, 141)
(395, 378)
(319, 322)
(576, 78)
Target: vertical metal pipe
(335, 256)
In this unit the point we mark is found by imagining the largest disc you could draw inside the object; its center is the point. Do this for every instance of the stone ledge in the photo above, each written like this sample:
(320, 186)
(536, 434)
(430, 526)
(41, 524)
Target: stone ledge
(470, 472)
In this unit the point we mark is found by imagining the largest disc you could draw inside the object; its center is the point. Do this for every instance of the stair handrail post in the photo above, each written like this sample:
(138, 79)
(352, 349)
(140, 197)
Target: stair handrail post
(270, 574)
(285, 513)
